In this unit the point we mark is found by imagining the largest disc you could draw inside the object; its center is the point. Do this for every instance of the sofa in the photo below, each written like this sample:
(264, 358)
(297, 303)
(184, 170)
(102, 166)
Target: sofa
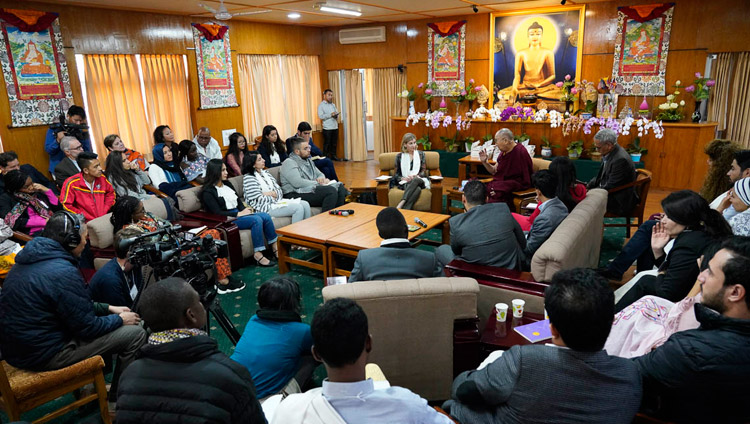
(189, 202)
(416, 324)
(575, 243)
(431, 200)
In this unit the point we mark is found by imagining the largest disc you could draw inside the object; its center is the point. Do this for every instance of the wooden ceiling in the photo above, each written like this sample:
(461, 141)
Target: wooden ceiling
(373, 11)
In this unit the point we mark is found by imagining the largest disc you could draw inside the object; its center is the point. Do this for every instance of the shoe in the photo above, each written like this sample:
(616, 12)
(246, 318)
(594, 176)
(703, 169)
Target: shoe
(234, 285)
(608, 274)
(270, 262)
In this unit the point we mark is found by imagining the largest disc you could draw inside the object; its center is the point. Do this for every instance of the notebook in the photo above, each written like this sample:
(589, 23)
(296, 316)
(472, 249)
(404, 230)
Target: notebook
(535, 332)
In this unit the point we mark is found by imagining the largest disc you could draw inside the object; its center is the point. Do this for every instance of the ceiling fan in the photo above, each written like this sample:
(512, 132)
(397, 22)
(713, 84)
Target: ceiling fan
(222, 14)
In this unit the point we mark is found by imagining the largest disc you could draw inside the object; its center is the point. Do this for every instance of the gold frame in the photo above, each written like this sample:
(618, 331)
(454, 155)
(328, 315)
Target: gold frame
(579, 55)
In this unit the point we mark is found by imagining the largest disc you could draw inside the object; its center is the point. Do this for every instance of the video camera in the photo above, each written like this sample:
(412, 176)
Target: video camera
(73, 130)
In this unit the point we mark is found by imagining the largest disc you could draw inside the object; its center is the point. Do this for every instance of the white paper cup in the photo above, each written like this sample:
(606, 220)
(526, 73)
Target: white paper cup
(502, 311)
(518, 307)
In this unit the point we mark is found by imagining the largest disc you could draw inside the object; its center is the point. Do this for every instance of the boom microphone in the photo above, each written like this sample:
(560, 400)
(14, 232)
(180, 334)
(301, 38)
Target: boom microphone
(342, 212)
(420, 222)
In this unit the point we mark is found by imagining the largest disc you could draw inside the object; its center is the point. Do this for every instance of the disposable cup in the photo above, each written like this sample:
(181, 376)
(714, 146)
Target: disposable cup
(502, 311)
(518, 307)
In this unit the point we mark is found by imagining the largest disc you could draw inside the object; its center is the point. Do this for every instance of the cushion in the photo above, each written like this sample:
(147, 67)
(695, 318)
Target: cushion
(101, 233)
(29, 384)
(188, 200)
(388, 161)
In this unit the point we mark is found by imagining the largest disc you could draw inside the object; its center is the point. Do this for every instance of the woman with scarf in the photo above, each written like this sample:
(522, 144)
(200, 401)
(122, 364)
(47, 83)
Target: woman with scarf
(164, 173)
(275, 346)
(35, 203)
(114, 143)
(740, 198)
(410, 172)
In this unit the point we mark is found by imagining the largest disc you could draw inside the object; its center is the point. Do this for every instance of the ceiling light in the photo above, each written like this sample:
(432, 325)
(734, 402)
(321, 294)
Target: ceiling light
(294, 15)
(325, 8)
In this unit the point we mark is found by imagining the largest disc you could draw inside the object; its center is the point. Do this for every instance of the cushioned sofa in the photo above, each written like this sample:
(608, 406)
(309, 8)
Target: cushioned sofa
(575, 243)
(422, 329)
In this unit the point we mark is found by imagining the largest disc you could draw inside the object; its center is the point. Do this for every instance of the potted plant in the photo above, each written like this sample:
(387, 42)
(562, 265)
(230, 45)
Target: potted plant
(575, 148)
(425, 142)
(547, 147)
(450, 143)
(468, 141)
(635, 150)
(595, 154)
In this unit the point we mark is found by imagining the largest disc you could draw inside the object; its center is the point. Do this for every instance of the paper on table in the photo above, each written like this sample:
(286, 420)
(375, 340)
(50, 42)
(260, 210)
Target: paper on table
(436, 177)
(531, 206)
(382, 178)
(535, 332)
(197, 230)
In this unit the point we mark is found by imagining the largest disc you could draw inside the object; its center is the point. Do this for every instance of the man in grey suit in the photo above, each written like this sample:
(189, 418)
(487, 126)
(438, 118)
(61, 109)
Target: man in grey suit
(573, 381)
(552, 211)
(71, 147)
(617, 169)
(486, 234)
(395, 259)
(300, 178)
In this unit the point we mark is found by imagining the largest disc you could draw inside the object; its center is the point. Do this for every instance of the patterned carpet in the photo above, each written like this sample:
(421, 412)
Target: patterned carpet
(242, 305)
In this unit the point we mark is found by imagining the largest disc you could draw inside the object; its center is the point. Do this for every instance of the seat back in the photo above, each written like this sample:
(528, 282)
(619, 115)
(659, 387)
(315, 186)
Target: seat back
(101, 233)
(642, 184)
(539, 164)
(412, 323)
(388, 163)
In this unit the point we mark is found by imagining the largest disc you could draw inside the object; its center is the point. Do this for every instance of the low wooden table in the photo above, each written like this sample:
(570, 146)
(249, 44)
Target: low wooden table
(501, 336)
(474, 165)
(344, 235)
(359, 187)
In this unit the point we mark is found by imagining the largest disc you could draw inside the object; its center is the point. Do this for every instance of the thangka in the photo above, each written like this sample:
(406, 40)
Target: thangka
(214, 60)
(34, 67)
(641, 47)
(446, 47)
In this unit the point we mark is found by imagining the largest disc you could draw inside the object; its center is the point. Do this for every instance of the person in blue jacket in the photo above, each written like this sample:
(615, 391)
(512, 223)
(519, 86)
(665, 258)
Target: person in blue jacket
(118, 282)
(47, 319)
(77, 116)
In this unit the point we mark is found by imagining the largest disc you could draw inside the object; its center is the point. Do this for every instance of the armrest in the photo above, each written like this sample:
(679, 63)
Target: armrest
(635, 183)
(232, 236)
(21, 237)
(382, 193)
(520, 281)
(194, 184)
(436, 202)
(207, 217)
(155, 191)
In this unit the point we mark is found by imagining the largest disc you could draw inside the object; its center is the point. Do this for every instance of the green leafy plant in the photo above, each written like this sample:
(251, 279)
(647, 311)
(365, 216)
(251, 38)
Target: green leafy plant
(487, 137)
(425, 142)
(589, 107)
(546, 143)
(451, 143)
(575, 146)
(521, 138)
(468, 141)
(635, 147)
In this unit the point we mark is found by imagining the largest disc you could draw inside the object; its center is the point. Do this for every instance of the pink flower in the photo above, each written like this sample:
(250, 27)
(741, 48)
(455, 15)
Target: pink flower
(478, 89)
(421, 84)
(471, 81)
(567, 77)
(463, 92)
(690, 88)
(428, 91)
(559, 84)
(710, 83)
(698, 75)
(573, 90)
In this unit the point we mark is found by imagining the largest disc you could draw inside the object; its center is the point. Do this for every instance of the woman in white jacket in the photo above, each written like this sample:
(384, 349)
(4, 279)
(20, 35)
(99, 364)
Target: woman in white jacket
(263, 193)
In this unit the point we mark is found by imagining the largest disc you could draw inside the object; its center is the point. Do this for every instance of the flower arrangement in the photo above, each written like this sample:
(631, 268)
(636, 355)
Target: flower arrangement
(700, 87)
(429, 90)
(623, 126)
(671, 110)
(572, 124)
(407, 94)
(569, 88)
(555, 119)
(540, 115)
(471, 91)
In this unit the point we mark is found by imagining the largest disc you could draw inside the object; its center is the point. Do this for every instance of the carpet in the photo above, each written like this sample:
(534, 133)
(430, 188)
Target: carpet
(241, 306)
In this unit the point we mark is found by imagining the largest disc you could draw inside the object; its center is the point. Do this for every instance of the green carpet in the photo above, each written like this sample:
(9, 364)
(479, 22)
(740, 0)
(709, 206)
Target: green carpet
(242, 305)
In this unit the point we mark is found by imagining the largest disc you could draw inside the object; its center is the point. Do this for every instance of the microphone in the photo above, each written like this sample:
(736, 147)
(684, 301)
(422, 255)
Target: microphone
(420, 222)
(342, 212)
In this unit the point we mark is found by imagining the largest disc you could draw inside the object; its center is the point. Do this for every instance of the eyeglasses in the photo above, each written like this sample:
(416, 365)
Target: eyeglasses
(76, 148)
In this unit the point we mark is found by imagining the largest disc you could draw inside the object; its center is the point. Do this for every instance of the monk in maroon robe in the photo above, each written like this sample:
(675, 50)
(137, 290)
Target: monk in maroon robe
(513, 169)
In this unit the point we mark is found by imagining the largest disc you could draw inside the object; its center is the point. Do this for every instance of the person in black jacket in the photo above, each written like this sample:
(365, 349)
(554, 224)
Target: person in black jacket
(693, 225)
(271, 147)
(180, 375)
(617, 169)
(47, 319)
(219, 197)
(702, 375)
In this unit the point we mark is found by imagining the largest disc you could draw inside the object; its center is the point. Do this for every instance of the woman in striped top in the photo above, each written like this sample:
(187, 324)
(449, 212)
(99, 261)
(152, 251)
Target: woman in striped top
(262, 191)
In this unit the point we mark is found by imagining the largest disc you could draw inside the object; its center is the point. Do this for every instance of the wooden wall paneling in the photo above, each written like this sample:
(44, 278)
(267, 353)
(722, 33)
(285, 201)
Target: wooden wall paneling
(391, 53)
(721, 26)
(259, 38)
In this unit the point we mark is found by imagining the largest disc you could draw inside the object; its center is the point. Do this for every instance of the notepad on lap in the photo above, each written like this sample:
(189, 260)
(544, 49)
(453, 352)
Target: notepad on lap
(535, 332)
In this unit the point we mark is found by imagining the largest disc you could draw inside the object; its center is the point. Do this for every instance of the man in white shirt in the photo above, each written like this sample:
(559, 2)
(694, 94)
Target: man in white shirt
(207, 145)
(328, 115)
(341, 340)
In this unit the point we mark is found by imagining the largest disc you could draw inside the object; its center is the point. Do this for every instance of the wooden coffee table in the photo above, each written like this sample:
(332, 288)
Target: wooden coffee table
(344, 235)
(501, 336)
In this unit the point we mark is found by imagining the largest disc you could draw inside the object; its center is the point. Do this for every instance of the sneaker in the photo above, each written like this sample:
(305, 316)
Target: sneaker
(234, 285)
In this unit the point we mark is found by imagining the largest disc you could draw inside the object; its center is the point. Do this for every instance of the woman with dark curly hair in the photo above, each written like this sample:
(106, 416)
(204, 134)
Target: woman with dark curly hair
(720, 155)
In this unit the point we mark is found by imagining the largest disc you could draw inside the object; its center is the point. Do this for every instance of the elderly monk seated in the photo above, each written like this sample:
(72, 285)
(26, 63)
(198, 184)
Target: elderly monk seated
(513, 169)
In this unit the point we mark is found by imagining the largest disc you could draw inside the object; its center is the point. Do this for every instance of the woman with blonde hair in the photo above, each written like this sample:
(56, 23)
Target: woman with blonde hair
(410, 172)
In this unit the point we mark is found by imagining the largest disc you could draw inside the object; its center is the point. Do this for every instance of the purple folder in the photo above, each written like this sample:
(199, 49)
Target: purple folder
(535, 332)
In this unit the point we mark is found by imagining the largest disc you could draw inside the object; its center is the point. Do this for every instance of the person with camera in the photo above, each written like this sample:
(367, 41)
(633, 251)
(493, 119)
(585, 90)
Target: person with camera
(118, 282)
(48, 320)
(180, 375)
(79, 129)
(88, 193)
(219, 197)
(128, 212)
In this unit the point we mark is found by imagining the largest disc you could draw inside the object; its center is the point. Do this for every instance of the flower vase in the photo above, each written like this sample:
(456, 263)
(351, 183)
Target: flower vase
(471, 105)
(411, 107)
(569, 106)
(429, 105)
(700, 111)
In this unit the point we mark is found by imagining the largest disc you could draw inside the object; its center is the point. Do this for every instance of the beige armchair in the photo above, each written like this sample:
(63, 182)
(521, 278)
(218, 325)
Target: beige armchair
(412, 324)
(431, 200)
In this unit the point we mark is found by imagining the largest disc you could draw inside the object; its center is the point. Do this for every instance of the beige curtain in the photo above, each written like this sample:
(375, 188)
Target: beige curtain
(386, 83)
(354, 128)
(334, 84)
(166, 89)
(717, 103)
(279, 91)
(738, 116)
(115, 104)
(369, 92)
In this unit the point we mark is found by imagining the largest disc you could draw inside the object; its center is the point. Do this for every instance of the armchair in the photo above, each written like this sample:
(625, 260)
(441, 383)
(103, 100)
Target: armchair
(431, 200)
(640, 185)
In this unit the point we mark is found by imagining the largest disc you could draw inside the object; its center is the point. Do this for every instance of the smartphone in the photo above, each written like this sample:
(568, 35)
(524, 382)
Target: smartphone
(413, 227)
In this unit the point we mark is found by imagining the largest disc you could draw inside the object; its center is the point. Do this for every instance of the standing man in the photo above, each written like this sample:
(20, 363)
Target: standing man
(329, 116)
(207, 145)
(76, 116)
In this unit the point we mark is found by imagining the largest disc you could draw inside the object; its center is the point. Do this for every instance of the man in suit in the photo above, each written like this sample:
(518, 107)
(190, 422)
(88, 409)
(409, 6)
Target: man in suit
(395, 259)
(68, 166)
(552, 211)
(300, 178)
(304, 131)
(486, 234)
(573, 381)
(617, 169)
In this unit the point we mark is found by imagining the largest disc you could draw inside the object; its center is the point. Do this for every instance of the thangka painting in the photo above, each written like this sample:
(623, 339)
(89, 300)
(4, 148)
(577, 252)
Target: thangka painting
(214, 60)
(532, 51)
(34, 67)
(641, 47)
(446, 47)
